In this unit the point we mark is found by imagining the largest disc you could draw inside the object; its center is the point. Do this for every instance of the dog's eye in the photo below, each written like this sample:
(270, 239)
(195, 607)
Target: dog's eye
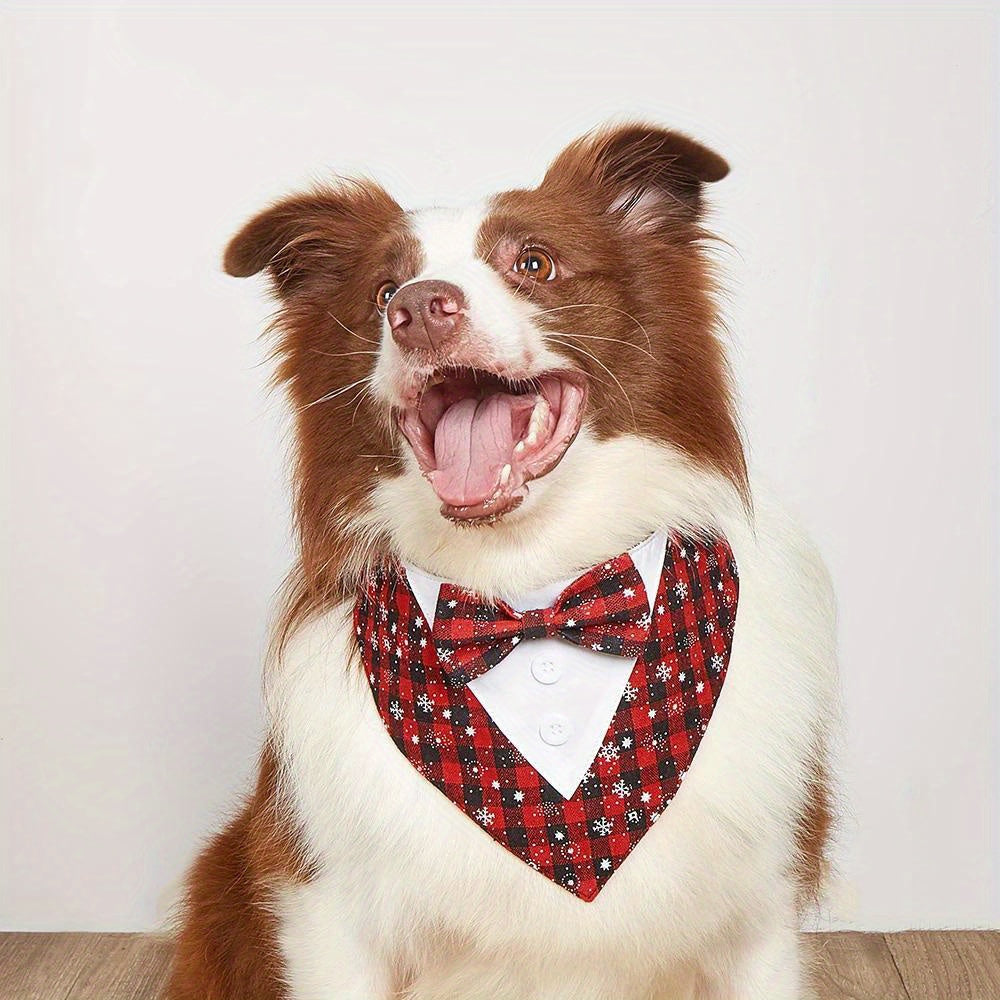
(534, 262)
(385, 292)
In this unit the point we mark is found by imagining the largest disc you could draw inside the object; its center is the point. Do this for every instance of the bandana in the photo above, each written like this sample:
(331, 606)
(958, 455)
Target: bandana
(682, 640)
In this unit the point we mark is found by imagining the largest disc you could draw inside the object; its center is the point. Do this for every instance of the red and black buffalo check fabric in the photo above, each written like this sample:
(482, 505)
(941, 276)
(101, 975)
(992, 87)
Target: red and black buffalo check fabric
(605, 609)
(445, 733)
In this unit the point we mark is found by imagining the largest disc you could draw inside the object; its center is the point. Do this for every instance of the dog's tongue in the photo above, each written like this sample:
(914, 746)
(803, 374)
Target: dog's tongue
(473, 441)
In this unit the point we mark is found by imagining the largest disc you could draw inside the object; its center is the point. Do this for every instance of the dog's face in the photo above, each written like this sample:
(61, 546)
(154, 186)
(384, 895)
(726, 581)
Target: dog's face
(463, 352)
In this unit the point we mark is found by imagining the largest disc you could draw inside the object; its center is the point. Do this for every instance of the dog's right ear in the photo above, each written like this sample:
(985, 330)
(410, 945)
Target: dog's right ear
(319, 230)
(643, 175)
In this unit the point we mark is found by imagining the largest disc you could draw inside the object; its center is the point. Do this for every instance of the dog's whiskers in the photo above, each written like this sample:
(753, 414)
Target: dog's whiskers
(600, 305)
(367, 340)
(576, 347)
(344, 354)
(333, 395)
(610, 340)
(365, 391)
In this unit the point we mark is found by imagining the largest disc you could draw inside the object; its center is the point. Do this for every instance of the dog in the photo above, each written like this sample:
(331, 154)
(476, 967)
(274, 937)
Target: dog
(551, 697)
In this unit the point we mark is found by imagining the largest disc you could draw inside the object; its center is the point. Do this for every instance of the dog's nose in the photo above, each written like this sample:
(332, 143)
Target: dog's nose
(426, 316)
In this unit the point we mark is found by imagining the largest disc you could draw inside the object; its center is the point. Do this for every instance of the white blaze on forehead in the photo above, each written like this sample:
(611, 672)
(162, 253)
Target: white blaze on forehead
(499, 320)
(448, 238)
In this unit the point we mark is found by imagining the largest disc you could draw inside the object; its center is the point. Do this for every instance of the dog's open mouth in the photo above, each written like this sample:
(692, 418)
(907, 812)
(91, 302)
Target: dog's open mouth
(479, 438)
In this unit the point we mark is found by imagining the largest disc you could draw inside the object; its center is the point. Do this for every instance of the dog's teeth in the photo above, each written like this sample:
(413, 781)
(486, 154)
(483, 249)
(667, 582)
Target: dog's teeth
(504, 475)
(519, 447)
(537, 421)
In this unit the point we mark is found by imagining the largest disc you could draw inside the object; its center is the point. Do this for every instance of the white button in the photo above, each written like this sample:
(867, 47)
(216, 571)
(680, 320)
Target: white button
(545, 671)
(555, 729)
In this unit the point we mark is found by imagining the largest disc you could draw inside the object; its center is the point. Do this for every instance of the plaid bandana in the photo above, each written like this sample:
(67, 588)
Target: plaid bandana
(606, 610)
(444, 732)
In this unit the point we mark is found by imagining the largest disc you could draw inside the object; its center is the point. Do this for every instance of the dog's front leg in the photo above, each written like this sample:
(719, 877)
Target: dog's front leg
(767, 967)
(326, 955)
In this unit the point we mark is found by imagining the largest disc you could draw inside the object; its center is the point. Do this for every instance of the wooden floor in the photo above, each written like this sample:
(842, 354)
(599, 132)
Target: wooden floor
(916, 965)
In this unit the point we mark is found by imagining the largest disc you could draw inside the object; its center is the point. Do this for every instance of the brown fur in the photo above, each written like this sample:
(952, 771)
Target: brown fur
(648, 330)
(227, 946)
(812, 838)
(327, 253)
(621, 210)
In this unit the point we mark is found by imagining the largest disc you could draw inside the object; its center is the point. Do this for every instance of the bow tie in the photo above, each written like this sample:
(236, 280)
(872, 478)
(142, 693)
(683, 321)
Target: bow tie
(605, 609)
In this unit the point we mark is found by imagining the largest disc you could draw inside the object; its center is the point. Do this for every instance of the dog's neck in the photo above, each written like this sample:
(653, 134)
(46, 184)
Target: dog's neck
(604, 498)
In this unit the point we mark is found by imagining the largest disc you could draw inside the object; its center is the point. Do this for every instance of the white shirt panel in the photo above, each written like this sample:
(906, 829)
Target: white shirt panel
(552, 699)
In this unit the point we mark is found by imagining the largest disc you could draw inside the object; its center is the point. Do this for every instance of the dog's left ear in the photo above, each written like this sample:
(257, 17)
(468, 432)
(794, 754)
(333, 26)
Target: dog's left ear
(640, 173)
(319, 231)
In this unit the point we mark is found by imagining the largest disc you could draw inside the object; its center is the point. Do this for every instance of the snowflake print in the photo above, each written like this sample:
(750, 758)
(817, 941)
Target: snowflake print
(603, 826)
(437, 724)
(682, 676)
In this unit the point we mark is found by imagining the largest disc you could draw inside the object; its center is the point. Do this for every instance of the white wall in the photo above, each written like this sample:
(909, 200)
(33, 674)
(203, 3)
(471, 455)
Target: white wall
(148, 516)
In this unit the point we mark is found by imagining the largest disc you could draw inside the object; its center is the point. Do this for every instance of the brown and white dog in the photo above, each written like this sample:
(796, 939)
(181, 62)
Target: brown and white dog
(504, 395)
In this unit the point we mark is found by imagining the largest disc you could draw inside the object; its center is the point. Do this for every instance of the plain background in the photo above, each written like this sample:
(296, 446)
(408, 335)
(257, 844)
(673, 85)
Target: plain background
(146, 509)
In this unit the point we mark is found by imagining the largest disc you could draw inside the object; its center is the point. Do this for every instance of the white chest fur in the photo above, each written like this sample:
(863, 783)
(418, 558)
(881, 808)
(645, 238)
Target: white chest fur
(410, 892)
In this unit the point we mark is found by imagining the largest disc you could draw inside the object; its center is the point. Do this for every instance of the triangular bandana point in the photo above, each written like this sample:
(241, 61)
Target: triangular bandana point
(449, 738)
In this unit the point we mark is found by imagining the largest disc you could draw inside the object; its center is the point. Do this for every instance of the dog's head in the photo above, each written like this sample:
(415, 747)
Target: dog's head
(457, 375)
